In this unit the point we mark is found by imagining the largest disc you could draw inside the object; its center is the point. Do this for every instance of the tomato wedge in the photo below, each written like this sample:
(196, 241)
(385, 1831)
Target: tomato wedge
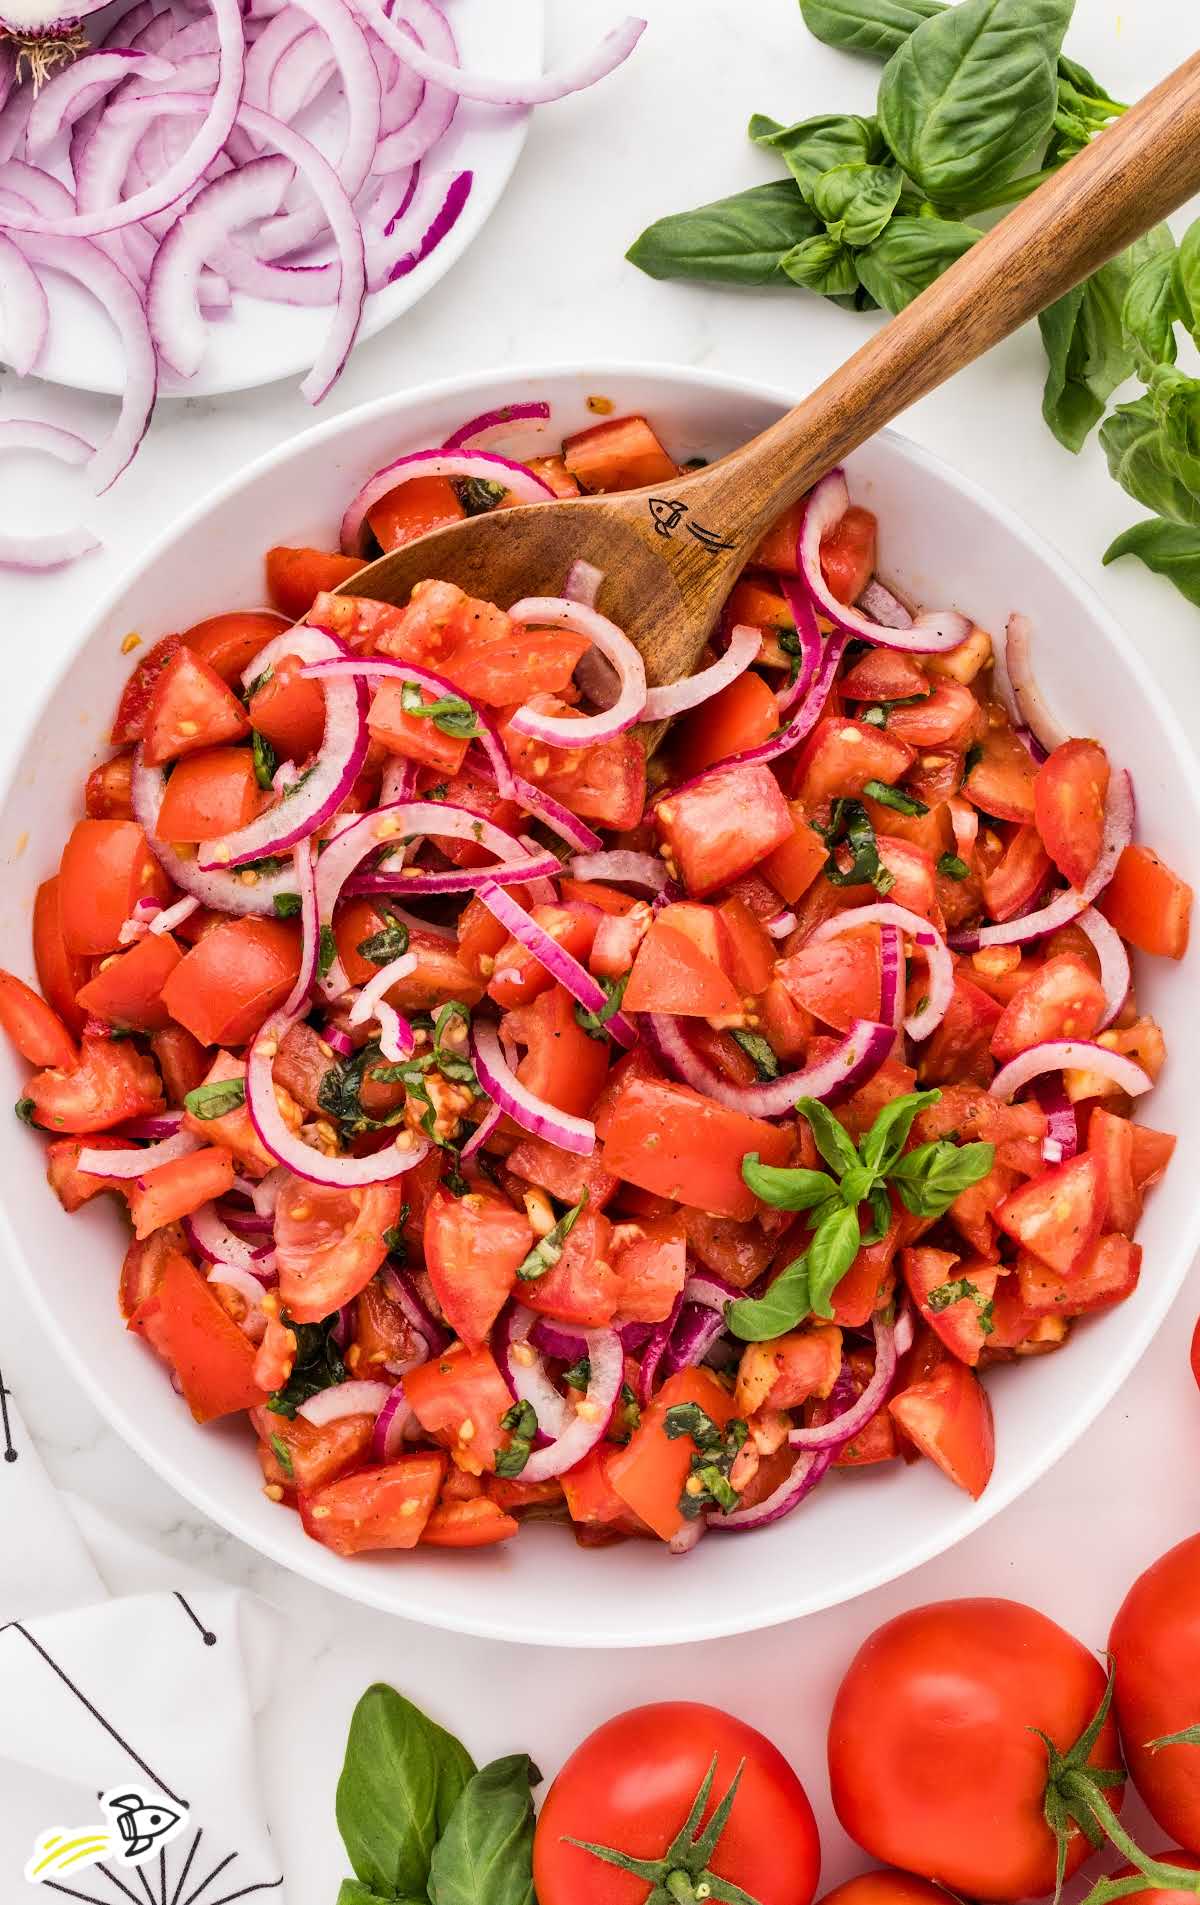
(1149, 905)
(949, 1418)
(1059, 1215)
(212, 1357)
(329, 1243)
(1069, 797)
(33, 1027)
(473, 1245)
(377, 1507)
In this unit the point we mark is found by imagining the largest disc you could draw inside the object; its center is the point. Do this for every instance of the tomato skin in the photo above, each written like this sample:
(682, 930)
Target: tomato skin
(190, 707)
(848, 554)
(499, 664)
(130, 718)
(631, 1784)
(1061, 1000)
(561, 1063)
(211, 1356)
(316, 1455)
(468, 1524)
(671, 1140)
(933, 1762)
(837, 980)
(33, 1027)
(581, 1287)
(108, 794)
(1161, 1894)
(174, 1190)
(1017, 877)
(209, 794)
(949, 1418)
(60, 973)
(112, 1082)
(233, 979)
(1059, 1214)
(295, 577)
(1069, 796)
(738, 717)
(1155, 1646)
(605, 782)
(1149, 905)
(229, 642)
(652, 1266)
(794, 864)
(460, 1388)
(74, 1187)
(375, 1507)
(473, 1246)
(671, 974)
(1001, 782)
(724, 825)
(127, 991)
(622, 453)
(840, 757)
(649, 1473)
(106, 868)
(329, 1243)
(887, 1887)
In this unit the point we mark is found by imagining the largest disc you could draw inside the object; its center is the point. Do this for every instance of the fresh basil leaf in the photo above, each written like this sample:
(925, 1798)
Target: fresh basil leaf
(1189, 277)
(522, 1425)
(757, 1050)
(883, 1143)
(1087, 346)
(1152, 306)
(737, 240)
(265, 761)
(961, 1289)
(390, 942)
(708, 1485)
(402, 1779)
(969, 98)
(908, 255)
(1133, 441)
(477, 495)
(485, 1856)
(317, 1365)
(579, 1375)
(856, 201)
(823, 264)
(881, 1214)
(595, 1023)
(548, 1249)
(779, 1309)
(216, 1099)
(450, 714)
(876, 27)
(354, 1892)
(1167, 548)
(952, 867)
(931, 1177)
(814, 146)
(326, 951)
(1176, 400)
(784, 1187)
(287, 905)
(857, 1184)
(283, 1455)
(832, 1139)
(849, 820)
(835, 1245)
(895, 797)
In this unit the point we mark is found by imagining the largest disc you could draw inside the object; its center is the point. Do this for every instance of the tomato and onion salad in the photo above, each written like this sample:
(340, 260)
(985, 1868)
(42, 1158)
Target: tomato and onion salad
(447, 1053)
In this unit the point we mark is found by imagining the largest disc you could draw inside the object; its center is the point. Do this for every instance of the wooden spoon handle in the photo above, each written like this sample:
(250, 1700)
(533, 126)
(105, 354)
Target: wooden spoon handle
(1127, 179)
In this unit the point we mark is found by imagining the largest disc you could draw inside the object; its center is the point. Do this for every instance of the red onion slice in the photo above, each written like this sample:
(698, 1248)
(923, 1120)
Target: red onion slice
(834, 1434)
(1062, 1126)
(939, 958)
(75, 89)
(26, 314)
(1067, 906)
(227, 892)
(1115, 973)
(1031, 709)
(1056, 1055)
(345, 1399)
(537, 410)
(360, 89)
(558, 611)
(58, 547)
(857, 1058)
(621, 865)
(803, 721)
(891, 975)
(499, 1080)
(883, 607)
(137, 1162)
(407, 145)
(810, 1467)
(592, 1414)
(397, 1040)
(169, 917)
(559, 819)
(929, 634)
(218, 209)
(211, 1237)
(391, 1425)
(584, 582)
(408, 238)
(612, 51)
(808, 635)
(254, 1323)
(385, 668)
(304, 866)
(483, 465)
(525, 1372)
(661, 704)
(482, 1132)
(558, 962)
(372, 993)
(273, 1131)
(781, 925)
(403, 1292)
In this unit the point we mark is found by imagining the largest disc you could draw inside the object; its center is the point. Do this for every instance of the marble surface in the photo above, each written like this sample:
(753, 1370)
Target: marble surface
(546, 282)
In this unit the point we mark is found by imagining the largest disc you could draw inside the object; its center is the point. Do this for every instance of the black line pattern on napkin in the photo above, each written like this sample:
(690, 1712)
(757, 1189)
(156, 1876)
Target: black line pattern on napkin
(209, 1638)
(11, 1452)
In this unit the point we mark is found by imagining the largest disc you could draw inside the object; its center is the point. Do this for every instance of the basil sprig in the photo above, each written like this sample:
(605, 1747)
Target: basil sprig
(927, 1181)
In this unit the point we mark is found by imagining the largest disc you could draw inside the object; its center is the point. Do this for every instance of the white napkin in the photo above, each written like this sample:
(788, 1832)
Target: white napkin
(127, 1764)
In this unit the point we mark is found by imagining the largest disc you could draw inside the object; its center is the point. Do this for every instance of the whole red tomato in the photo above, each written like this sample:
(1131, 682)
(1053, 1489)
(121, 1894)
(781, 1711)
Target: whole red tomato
(933, 1762)
(886, 1887)
(631, 1787)
(1163, 1894)
(1155, 1645)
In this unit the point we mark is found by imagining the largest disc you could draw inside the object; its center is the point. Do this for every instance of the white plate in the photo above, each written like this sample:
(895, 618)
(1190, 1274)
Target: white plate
(944, 541)
(257, 342)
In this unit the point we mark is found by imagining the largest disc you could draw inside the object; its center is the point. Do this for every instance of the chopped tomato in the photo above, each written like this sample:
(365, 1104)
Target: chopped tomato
(295, 577)
(754, 602)
(519, 974)
(414, 736)
(233, 979)
(623, 453)
(582, 1287)
(315, 1455)
(468, 1524)
(1107, 1275)
(649, 1475)
(212, 1357)
(671, 974)
(1060, 1001)
(948, 717)
(413, 509)
(111, 1082)
(1069, 798)
(74, 1187)
(107, 867)
(1018, 877)
(1112, 1140)
(869, 1282)
(676, 1142)
(234, 1130)
(794, 864)
(1059, 1215)
(499, 664)
(141, 1273)
(382, 1332)
(963, 1322)
(738, 1252)
(848, 554)
(288, 710)
(127, 990)
(841, 756)
(109, 791)
(229, 642)
(386, 1507)
(130, 719)
(650, 1258)
(473, 1246)
(60, 973)
(949, 1418)
(723, 825)
(785, 1372)
(605, 782)
(1152, 1152)
(837, 980)
(33, 1027)
(564, 1175)
(329, 1243)
(554, 474)
(749, 948)
(1001, 778)
(1149, 905)
(190, 708)
(885, 674)
(590, 1496)
(739, 716)
(973, 1209)
(210, 794)
(174, 1190)
(561, 1063)
(440, 973)
(459, 1398)
(959, 1048)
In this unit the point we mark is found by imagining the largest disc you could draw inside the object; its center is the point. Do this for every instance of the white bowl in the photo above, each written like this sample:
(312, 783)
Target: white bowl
(944, 541)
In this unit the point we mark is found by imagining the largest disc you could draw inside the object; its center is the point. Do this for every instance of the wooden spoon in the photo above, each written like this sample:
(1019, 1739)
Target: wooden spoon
(670, 553)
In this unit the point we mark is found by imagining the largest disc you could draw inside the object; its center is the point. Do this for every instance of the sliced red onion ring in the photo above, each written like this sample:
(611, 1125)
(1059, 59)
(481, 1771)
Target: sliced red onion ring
(345, 1399)
(883, 607)
(227, 892)
(1062, 1126)
(857, 1058)
(699, 1325)
(781, 925)
(939, 958)
(387, 668)
(661, 704)
(929, 634)
(347, 42)
(808, 635)
(97, 273)
(137, 1162)
(1115, 974)
(540, 892)
(483, 465)
(803, 721)
(169, 917)
(592, 1414)
(583, 583)
(249, 1289)
(1066, 906)
(218, 209)
(409, 144)
(612, 51)
(482, 1132)
(558, 962)
(809, 1468)
(387, 976)
(337, 1040)
(558, 611)
(273, 1131)
(211, 1237)
(559, 819)
(503, 418)
(397, 1039)
(304, 866)
(26, 315)
(834, 1434)
(891, 975)
(161, 1124)
(403, 1292)
(61, 546)
(75, 89)
(391, 1425)
(1056, 1055)
(399, 780)
(410, 242)
(526, 1375)
(1032, 710)
(626, 868)
(499, 1080)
